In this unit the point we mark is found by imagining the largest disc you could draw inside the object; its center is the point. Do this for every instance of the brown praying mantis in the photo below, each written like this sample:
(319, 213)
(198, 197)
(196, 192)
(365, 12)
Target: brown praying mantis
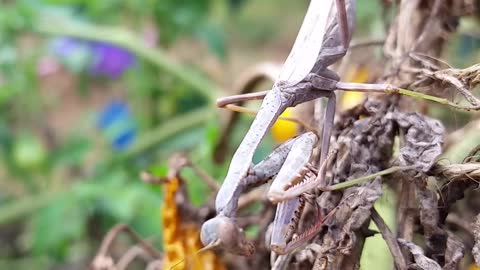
(323, 39)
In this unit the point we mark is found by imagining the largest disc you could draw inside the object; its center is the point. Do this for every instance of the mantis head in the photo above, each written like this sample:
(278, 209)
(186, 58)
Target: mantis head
(222, 232)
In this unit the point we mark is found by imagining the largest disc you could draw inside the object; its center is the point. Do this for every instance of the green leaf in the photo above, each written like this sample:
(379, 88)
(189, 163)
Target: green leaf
(24, 263)
(159, 170)
(235, 5)
(128, 200)
(183, 141)
(179, 17)
(28, 152)
(197, 189)
(367, 15)
(55, 228)
(456, 153)
(214, 36)
(212, 135)
(72, 152)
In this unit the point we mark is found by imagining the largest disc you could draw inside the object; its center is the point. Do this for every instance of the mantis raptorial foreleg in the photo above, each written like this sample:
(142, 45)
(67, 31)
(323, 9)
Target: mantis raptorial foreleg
(287, 217)
(298, 157)
(222, 230)
(274, 103)
(289, 166)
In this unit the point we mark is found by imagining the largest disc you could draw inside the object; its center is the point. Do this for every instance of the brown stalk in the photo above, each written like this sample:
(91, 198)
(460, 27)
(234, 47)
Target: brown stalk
(390, 239)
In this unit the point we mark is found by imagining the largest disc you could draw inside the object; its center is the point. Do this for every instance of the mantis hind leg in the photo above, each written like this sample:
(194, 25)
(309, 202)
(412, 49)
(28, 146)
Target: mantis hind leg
(343, 21)
(326, 134)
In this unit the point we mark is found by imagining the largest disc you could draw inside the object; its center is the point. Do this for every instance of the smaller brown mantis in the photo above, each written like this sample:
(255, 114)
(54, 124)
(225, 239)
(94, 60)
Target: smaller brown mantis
(323, 39)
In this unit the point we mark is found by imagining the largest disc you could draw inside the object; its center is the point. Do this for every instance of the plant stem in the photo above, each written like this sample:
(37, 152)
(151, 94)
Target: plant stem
(168, 129)
(25, 206)
(423, 96)
(367, 178)
(434, 99)
(390, 89)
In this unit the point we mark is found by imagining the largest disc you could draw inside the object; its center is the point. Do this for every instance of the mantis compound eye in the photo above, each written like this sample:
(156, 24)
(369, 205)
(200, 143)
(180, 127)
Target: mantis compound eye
(222, 232)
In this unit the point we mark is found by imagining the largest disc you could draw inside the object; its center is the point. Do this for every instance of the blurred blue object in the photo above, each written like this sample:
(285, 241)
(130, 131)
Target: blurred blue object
(117, 124)
(99, 58)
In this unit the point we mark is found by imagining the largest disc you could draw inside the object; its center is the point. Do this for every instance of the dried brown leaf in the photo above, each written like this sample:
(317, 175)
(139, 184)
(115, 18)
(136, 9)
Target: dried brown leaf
(423, 139)
(454, 253)
(476, 235)
(457, 178)
(421, 260)
(435, 236)
(362, 149)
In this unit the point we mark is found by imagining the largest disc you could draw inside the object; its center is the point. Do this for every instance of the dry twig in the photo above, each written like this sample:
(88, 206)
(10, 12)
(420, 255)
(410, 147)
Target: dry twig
(103, 260)
(390, 239)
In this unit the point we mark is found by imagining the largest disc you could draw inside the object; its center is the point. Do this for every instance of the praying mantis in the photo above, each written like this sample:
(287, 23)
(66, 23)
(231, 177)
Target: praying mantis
(323, 39)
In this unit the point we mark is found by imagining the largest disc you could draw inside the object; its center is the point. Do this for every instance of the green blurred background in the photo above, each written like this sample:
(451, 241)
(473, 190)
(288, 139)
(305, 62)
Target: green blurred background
(93, 92)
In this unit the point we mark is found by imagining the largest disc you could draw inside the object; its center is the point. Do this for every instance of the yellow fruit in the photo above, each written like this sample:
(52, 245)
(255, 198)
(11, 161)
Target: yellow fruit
(283, 130)
(351, 99)
(473, 266)
(358, 74)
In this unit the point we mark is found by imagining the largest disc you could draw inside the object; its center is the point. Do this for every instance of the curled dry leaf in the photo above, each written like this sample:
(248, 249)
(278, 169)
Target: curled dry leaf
(459, 172)
(423, 139)
(435, 236)
(457, 178)
(421, 260)
(454, 253)
(363, 146)
(434, 77)
(476, 235)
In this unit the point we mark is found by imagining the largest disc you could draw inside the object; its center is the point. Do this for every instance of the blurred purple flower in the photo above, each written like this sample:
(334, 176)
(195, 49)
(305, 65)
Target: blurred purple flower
(109, 60)
(99, 58)
(66, 46)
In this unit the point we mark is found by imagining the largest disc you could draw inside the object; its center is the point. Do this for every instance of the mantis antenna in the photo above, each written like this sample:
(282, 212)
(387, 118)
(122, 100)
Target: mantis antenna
(205, 248)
